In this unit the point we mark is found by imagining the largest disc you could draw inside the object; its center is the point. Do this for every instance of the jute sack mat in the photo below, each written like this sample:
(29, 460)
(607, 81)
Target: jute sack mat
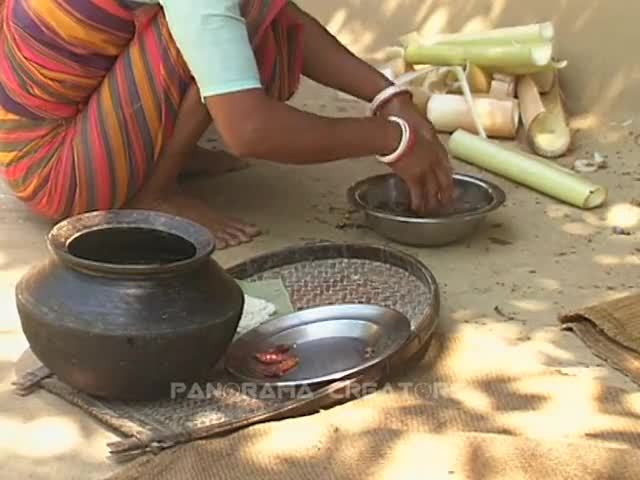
(393, 454)
(612, 331)
(470, 410)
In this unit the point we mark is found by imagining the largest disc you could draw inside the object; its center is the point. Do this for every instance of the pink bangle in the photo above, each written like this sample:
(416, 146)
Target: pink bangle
(386, 95)
(406, 143)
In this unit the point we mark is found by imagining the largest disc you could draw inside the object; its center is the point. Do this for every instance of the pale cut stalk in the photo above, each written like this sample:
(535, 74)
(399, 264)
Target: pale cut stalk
(544, 80)
(391, 53)
(390, 62)
(506, 84)
(504, 77)
(413, 80)
(443, 74)
(466, 91)
(503, 86)
(537, 32)
(499, 117)
(393, 68)
(536, 173)
(412, 38)
(440, 80)
(531, 106)
(519, 70)
(500, 89)
(549, 134)
(420, 98)
(479, 81)
(415, 77)
(498, 57)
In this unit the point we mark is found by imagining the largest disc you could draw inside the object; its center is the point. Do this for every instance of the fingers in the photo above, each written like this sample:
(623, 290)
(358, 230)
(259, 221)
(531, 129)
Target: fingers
(445, 184)
(433, 190)
(441, 173)
(429, 176)
(416, 191)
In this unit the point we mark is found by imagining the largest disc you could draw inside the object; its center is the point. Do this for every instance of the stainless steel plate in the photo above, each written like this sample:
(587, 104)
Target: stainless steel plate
(331, 343)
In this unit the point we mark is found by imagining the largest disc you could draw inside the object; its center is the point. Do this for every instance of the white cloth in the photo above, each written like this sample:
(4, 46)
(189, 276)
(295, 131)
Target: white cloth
(256, 311)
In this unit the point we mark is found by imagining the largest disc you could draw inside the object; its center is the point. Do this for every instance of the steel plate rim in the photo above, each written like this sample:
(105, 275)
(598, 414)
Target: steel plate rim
(394, 347)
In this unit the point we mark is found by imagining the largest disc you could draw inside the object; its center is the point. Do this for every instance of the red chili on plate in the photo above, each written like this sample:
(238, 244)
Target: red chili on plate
(279, 369)
(274, 355)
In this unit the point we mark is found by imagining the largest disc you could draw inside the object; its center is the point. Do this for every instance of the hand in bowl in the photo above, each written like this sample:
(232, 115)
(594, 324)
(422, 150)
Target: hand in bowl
(426, 170)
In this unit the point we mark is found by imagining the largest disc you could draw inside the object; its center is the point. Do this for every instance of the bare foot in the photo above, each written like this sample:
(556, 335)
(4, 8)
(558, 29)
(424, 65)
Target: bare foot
(228, 232)
(214, 163)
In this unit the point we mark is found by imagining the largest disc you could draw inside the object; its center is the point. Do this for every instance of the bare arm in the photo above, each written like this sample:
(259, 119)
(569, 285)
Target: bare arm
(254, 125)
(275, 131)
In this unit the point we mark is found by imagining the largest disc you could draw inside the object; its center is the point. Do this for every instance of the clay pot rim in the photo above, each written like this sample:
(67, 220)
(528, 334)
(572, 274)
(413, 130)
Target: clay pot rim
(64, 232)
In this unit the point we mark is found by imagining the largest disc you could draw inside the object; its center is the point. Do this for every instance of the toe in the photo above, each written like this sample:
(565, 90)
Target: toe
(248, 229)
(231, 239)
(238, 233)
(221, 242)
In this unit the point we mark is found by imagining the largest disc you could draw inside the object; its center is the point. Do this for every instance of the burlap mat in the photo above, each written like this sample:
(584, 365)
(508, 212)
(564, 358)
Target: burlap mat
(395, 455)
(469, 410)
(612, 331)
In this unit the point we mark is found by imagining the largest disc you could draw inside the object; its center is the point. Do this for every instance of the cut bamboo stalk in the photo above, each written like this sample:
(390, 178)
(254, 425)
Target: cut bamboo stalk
(544, 118)
(496, 56)
(498, 117)
(390, 62)
(500, 89)
(420, 99)
(531, 106)
(391, 53)
(466, 93)
(504, 77)
(440, 80)
(479, 81)
(534, 172)
(539, 32)
(416, 78)
(519, 70)
(393, 68)
(544, 80)
(503, 86)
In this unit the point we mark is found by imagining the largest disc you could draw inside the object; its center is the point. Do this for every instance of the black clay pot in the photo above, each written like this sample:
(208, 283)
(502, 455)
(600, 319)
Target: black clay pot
(129, 303)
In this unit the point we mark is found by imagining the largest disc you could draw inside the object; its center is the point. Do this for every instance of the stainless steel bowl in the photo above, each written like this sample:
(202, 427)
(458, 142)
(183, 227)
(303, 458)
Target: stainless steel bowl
(385, 201)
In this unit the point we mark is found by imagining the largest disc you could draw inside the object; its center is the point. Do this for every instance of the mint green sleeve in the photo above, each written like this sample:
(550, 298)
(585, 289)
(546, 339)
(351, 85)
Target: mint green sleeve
(213, 39)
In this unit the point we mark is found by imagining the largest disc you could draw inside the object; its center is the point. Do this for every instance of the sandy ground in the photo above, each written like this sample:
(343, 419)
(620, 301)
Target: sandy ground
(535, 259)
(504, 287)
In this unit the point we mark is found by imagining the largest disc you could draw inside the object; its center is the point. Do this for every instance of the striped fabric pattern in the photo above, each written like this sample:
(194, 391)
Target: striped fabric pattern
(90, 91)
(277, 42)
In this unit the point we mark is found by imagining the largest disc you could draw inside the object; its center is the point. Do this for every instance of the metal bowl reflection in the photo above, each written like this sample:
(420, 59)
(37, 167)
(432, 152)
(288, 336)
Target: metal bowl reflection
(385, 201)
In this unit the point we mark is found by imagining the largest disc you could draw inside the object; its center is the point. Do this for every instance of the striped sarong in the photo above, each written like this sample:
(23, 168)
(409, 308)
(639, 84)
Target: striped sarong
(90, 91)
